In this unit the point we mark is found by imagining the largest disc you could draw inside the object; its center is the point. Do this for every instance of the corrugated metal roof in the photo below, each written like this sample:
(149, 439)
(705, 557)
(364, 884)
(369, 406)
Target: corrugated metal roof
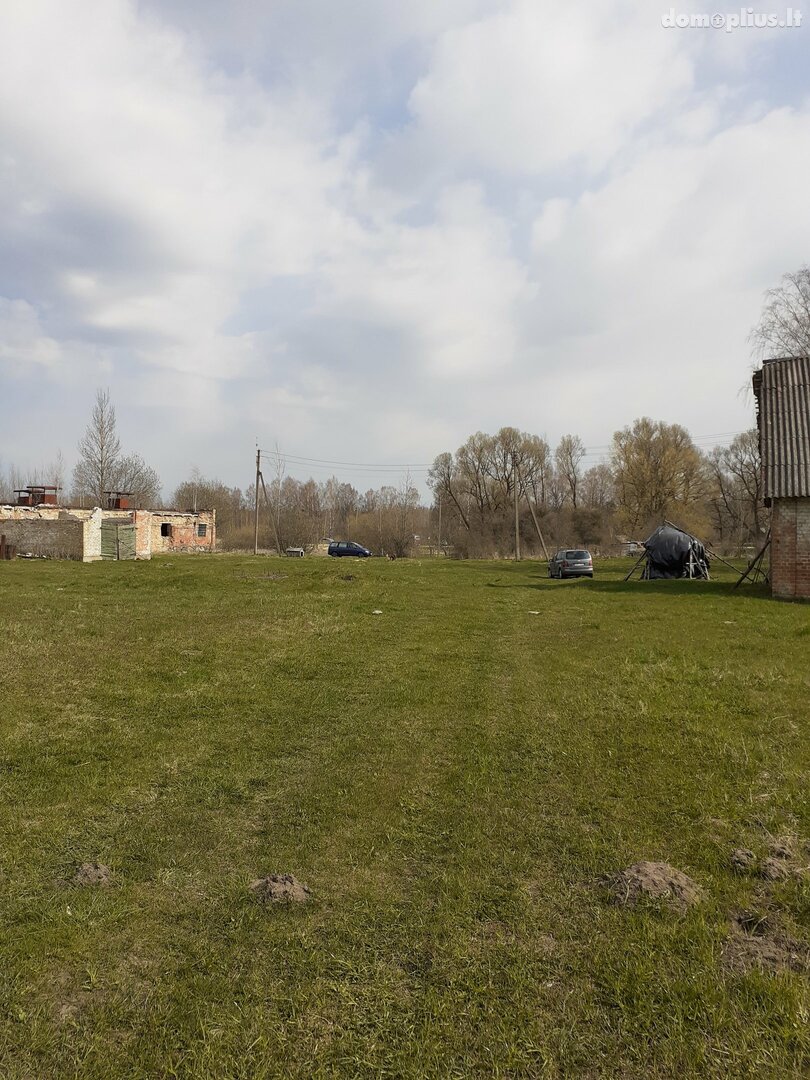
(782, 389)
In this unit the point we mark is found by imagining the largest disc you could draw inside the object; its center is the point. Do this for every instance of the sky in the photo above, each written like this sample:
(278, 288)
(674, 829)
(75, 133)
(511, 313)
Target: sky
(361, 230)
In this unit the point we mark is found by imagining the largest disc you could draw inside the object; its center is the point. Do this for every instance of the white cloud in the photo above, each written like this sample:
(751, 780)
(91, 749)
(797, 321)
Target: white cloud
(402, 223)
(23, 342)
(542, 85)
(685, 221)
(218, 185)
(550, 222)
(452, 286)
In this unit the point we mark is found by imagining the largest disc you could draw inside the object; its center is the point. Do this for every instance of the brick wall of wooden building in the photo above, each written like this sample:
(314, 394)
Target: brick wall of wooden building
(790, 548)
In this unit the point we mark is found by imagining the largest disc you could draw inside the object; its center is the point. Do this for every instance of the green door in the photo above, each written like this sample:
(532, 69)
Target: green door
(126, 541)
(109, 540)
(117, 541)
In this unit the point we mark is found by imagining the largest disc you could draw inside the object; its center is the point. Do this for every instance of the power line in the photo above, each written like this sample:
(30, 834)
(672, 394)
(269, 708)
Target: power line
(421, 467)
(382, 473)
(300, 460)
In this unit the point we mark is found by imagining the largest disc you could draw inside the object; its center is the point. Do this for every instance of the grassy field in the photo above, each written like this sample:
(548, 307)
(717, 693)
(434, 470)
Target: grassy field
(453, 778)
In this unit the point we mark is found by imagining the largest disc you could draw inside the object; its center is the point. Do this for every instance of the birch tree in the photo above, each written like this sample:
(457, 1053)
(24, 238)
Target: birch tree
(784, 326)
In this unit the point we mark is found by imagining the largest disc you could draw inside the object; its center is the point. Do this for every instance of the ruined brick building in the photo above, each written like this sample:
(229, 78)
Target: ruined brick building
(782, 389)
(37, 525)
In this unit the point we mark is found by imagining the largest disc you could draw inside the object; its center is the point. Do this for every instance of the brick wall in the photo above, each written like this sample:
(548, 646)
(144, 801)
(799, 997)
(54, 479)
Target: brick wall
(29, 513)
(58, 539)
(183, 531)
(92, 536)
(84, 541)
(790, 548)
(143, 534)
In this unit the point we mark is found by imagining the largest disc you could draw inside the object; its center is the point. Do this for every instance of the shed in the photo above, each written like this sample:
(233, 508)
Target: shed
(782, 390)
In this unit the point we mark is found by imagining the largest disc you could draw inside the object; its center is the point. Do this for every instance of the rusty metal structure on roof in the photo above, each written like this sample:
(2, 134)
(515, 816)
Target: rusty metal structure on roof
(782, 389)
(118, 500)
(37, 495)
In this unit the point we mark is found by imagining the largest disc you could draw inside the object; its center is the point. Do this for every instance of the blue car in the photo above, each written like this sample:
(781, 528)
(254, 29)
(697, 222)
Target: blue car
(348, 547)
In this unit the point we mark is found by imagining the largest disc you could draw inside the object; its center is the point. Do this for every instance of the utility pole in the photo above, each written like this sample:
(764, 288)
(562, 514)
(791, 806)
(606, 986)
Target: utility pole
(256, 503)
(440, 525)
(534, 518)
(517, 504)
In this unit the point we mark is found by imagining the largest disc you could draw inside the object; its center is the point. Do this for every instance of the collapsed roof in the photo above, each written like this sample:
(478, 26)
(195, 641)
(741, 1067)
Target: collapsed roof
(672, 553)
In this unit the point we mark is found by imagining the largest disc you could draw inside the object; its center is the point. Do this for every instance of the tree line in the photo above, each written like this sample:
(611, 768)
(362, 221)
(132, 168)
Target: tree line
(654, 471)
(305, 513)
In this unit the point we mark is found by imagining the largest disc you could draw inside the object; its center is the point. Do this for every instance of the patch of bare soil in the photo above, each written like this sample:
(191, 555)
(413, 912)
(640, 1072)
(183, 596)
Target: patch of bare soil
(272, 576)
(70, 1010)
(280, 889)
(782, 849)
(756, 941)
(787, 857)
(495, 931)
(775, 869)
(347, 577)
(743, 859)
(70, 1001)
(654, 881)
(93, 873)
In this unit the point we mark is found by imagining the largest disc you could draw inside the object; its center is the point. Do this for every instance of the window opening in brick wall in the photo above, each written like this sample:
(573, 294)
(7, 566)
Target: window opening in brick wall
(201, 530)
(165, 529)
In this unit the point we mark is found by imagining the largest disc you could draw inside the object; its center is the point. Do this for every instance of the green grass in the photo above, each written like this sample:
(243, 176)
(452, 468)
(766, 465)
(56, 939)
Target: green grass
(452, 778)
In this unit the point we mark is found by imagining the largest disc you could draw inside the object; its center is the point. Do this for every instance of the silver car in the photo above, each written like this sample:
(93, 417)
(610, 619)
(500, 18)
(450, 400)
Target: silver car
(571, 562)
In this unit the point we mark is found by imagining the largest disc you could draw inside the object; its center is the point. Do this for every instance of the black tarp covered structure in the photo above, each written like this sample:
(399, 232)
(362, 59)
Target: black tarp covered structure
(672, 553)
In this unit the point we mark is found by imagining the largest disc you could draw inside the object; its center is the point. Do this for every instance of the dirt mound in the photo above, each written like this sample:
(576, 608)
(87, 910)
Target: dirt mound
(655, 881)
(743, 859)
(755, 942)
(280, 889)
(781, 849)
(787, 857)
(775, 869)
(92, 873)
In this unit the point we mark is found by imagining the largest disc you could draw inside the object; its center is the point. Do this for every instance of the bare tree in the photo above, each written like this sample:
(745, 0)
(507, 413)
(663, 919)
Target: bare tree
(99, 452)
(445, 483)
(568, 457)
(735, 491)
(475, 487)
(132, 474)
(15, 477)
(784, 326)
(230, 504)
(101, 466)
(56, 472)
(279, 468)
(6, 485)
(194, 483)
(596, 488)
